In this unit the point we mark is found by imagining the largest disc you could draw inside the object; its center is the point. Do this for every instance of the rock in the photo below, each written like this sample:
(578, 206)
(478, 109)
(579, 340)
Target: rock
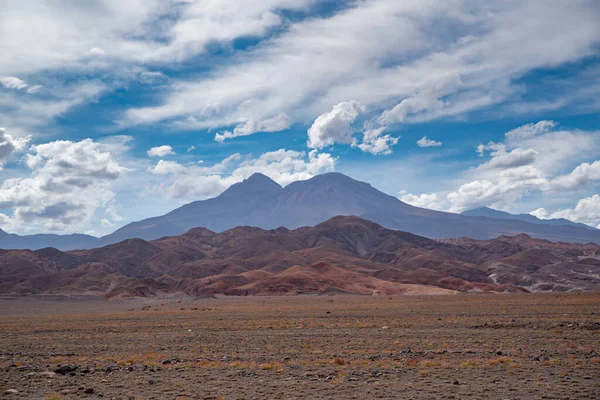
(165, 362)
(11, 391)
(48, 374)
(385, 327)
(151, 381)
(110, 368)
(456, 382)
(89, 391)
(66, 369)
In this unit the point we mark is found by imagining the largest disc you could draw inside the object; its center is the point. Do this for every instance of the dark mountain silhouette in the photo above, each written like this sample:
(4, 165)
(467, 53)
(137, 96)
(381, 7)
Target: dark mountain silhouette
(259, 201)
(491, 213)
(342, 255)
(65, 242)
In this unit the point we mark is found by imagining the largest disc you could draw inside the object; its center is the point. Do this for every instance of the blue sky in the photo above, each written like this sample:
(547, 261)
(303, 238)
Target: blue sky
(116, 111)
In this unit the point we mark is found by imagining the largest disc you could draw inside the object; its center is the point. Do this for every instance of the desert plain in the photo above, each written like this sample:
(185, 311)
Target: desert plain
(465, 346)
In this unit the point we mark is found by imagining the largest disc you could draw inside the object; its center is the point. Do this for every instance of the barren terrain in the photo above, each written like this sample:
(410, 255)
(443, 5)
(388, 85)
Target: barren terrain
(342, 255)
(518, 346)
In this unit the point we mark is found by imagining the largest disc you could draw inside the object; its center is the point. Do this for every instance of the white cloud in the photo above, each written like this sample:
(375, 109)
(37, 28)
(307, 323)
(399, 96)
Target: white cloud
(532, 159)
(69, 182)
(283, 166)
(191, 148)
(334, 126)
(10, 145)
(426, 142)
(429, 201)
(12, 82)
(529, 130)
(427, 99)
(582, 175)
(391, 58)
(252, 125)
(160, 151)
(375, 143)
(587, 211)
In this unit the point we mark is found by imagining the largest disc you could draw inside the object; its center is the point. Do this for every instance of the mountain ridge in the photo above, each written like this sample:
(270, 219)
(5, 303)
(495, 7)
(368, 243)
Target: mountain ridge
(261, 202)
(492, 213)
(345, 254)
(309, 202)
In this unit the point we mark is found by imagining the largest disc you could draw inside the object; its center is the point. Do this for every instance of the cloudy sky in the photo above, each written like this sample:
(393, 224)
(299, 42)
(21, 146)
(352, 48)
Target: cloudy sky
(113, 111)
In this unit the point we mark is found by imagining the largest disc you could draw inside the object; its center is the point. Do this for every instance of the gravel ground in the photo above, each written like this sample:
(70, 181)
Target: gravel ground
(541, 346)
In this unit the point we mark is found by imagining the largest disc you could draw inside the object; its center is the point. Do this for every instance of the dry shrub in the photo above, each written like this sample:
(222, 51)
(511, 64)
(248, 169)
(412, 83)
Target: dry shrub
(338, 361)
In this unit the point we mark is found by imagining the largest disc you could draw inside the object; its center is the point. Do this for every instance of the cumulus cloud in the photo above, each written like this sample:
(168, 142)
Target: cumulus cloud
(338, 126)
(10, 145)
(430, 201)
(283, 166)
(587, 211)
(69, 182)
(334, 126)
(160, 151)
(375, 143)
(426, 142)
(532, 159)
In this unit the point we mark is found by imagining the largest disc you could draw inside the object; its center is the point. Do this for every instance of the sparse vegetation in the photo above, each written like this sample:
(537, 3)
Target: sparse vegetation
(265, 347)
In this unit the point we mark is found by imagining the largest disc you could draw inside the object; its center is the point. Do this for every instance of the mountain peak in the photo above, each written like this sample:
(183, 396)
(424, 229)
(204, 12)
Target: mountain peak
(258, 177)
(257, 183)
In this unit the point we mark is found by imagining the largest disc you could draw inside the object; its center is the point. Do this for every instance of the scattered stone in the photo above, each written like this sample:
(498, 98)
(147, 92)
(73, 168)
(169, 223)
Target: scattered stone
(66, 369)
(456, 382)
(385, 327)
(151, 381)
(11, 391)
(89, 391)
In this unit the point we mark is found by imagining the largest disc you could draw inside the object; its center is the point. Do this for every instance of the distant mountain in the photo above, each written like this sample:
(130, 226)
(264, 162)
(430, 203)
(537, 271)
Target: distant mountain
(34, 242)
(491, 213)
(259, 201)
(341, 255)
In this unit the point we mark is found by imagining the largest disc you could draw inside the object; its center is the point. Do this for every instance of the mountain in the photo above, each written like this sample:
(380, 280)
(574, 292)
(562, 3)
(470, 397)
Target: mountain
(342, 255)
(33, 242)
(491, 213)
(259, 201)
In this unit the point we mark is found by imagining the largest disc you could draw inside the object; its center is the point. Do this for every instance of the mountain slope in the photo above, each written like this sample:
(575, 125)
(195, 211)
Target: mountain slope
(342, 255)
(491, 213)
(260, 202)
(34, 242)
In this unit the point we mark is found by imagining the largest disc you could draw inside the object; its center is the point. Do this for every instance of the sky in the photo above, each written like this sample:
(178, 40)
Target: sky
(114, 111)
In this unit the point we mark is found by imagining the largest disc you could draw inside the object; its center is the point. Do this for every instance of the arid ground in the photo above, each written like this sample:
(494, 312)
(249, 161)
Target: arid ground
(518, 346)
